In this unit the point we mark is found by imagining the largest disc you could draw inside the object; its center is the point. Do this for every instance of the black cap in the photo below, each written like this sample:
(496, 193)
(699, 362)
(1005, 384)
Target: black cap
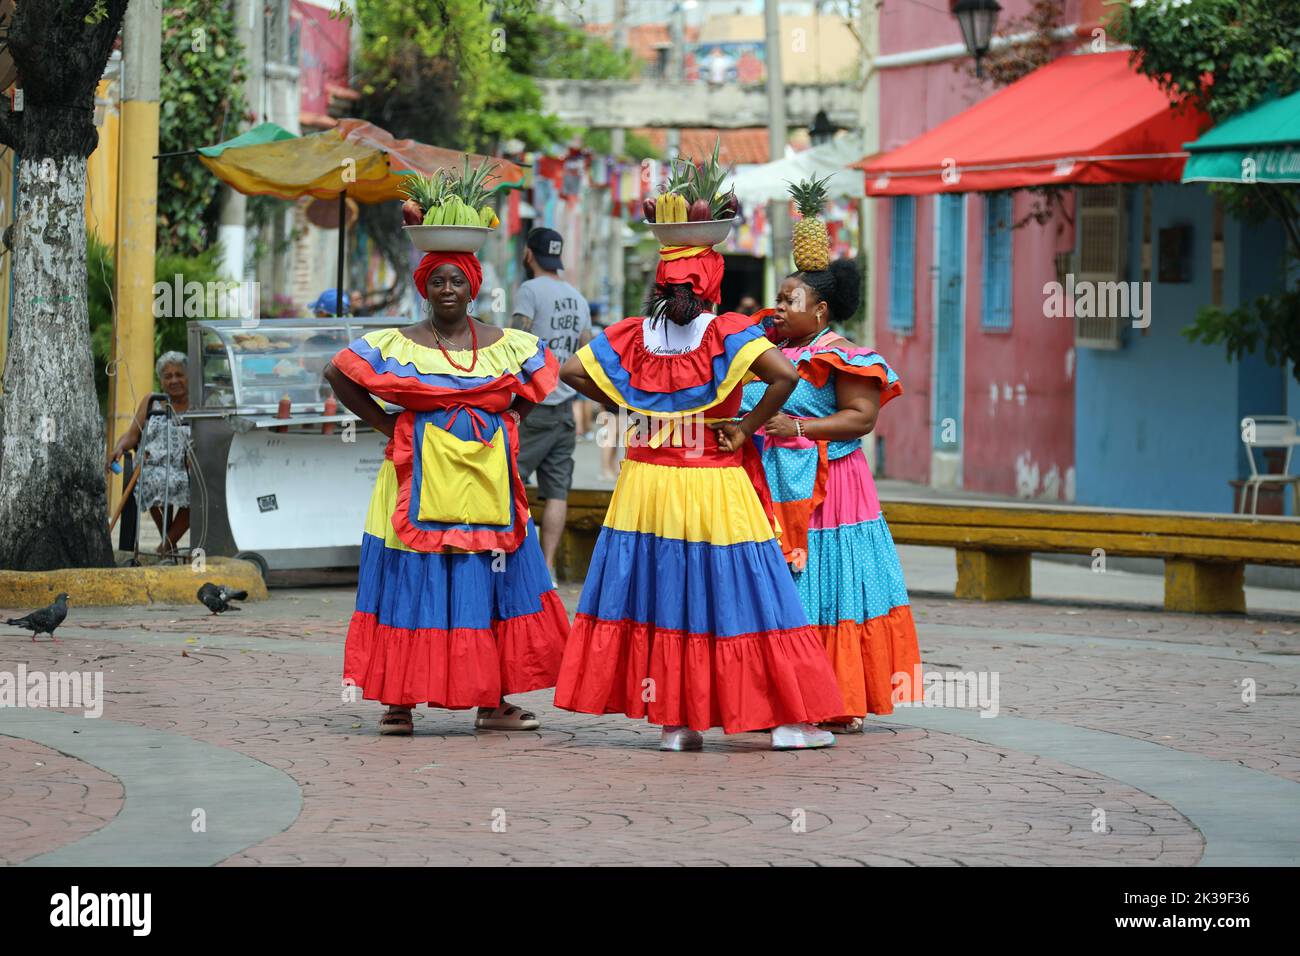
(547, 246)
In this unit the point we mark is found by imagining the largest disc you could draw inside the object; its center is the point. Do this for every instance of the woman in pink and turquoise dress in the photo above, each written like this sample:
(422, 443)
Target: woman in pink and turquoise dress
(455, 607)
(834, 537)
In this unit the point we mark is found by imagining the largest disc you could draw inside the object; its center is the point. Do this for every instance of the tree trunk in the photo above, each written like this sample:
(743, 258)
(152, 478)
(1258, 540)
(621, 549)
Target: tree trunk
(53, 502)
(52, 492)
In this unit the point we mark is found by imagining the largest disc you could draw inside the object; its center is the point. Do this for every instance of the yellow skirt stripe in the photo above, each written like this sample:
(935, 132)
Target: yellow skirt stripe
(715, 505)
(382, 502)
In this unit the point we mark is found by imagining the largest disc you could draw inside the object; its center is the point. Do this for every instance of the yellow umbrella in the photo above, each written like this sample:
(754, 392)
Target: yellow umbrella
(355, 158)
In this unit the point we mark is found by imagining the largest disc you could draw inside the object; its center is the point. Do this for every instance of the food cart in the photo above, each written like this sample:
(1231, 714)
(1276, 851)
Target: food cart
(283, 492)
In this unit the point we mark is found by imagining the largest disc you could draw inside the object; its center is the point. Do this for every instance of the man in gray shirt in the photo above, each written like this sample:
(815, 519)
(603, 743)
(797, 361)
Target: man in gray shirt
(556, 313)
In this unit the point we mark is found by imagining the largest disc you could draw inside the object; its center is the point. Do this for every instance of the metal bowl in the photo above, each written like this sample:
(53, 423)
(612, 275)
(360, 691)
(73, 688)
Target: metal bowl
(708, 232)
(447, 238)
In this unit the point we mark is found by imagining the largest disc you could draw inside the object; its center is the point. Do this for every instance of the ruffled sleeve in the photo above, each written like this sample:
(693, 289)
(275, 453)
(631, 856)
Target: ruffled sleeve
(817, 365)
(673, 385)
(538, 372)
(390, 366)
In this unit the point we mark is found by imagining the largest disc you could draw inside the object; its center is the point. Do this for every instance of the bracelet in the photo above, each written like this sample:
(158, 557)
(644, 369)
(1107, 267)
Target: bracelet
(798, 428)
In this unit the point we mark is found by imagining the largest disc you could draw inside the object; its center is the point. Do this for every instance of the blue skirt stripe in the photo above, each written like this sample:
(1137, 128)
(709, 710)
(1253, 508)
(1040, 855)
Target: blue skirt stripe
(692, 586)
(417, 590)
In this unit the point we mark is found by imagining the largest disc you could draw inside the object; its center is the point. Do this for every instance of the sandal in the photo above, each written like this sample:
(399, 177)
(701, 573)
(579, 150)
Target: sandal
(505, 717)
(854, 725)
(396, 723)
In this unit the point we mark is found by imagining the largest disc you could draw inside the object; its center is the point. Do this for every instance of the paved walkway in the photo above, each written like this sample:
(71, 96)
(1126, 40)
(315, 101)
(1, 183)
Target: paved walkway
(1121, 738)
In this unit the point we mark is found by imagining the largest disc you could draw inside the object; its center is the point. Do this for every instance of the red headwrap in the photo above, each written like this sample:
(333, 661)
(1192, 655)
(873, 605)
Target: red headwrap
(702, 269)
(466, 262)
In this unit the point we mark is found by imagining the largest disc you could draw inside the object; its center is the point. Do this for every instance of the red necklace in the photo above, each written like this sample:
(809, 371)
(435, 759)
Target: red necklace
(473, 337)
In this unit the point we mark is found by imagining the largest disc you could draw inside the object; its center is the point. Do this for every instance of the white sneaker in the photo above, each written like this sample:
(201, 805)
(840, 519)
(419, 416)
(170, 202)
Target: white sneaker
(800, 737)
(681, 738)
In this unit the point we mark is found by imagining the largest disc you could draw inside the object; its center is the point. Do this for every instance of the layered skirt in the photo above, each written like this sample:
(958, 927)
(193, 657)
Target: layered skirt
(689, 616)
(453, 630)
(852, 588)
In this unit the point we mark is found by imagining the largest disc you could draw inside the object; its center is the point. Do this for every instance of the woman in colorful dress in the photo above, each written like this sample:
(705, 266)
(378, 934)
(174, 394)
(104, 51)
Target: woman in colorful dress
(843, 558)
(688, 617)
(455, 607)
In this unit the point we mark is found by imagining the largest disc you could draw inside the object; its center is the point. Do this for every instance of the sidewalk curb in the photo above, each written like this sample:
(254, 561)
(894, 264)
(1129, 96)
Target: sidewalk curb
(117, 587)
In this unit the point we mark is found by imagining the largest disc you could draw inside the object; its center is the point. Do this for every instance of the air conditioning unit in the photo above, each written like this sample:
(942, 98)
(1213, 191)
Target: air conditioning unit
(1099, 258)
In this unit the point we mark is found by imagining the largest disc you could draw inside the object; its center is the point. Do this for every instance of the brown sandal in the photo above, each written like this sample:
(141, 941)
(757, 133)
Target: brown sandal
(396, 723)
(509, 717)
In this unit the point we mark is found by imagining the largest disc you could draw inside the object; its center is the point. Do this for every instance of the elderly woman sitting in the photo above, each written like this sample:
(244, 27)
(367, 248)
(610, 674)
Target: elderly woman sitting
(164, 478)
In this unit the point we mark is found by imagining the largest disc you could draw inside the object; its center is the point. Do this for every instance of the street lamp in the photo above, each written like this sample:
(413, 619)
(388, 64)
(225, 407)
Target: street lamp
(977, 18)
(822, 129)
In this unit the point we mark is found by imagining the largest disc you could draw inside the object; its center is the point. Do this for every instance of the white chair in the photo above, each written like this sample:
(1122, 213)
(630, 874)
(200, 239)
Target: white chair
(1266, 432)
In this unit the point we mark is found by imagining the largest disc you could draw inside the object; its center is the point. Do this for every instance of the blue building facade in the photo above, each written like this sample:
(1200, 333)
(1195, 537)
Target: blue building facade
(1158, 421)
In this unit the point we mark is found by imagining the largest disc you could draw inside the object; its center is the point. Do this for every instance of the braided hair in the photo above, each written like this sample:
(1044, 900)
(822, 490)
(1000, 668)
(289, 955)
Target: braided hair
(839, 286)
(677, 302)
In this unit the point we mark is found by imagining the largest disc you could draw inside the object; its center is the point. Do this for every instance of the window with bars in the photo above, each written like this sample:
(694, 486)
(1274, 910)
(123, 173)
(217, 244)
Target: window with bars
(997, 261)
(902, 264)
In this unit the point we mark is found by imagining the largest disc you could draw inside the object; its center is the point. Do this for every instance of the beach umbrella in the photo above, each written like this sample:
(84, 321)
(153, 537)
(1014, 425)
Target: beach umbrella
(355, 159)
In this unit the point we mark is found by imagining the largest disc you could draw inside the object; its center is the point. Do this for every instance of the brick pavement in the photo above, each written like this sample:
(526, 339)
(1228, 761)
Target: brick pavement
(587, 790)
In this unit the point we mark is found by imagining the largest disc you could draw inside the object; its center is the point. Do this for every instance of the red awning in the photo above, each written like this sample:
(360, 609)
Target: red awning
(1087, 118)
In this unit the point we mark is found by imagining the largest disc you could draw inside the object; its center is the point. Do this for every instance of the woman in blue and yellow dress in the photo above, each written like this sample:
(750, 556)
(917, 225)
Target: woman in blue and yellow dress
(455, 607)
(688, 617)
(834, 536)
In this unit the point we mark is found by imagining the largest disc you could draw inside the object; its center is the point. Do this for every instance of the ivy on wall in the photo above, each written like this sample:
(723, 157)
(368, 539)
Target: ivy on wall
(202, 103)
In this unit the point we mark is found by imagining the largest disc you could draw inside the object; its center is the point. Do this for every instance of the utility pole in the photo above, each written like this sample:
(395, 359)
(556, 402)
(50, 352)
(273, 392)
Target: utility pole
(778, 210)
(617, 144)
(869, 124)
(676, 67)
(232, 227)
(137, 219)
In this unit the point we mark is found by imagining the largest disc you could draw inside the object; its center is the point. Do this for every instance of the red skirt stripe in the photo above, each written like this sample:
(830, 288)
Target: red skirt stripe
(458, 668)
(673, 678)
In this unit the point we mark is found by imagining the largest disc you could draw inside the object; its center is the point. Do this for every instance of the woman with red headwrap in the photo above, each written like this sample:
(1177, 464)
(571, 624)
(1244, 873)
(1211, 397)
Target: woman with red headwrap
(455, 607)
(688, 616)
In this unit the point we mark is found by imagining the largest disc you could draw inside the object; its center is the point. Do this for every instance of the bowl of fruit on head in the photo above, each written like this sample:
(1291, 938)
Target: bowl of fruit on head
(449, 213)
(691, 209)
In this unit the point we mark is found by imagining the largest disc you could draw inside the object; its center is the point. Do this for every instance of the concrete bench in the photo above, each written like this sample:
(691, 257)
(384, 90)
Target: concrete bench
(1205, 556)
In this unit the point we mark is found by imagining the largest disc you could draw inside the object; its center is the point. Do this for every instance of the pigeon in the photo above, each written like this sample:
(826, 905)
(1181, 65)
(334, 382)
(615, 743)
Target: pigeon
(45, 620)
(217, 598)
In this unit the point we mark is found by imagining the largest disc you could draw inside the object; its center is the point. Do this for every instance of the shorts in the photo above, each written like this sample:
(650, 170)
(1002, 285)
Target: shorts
(547, 438)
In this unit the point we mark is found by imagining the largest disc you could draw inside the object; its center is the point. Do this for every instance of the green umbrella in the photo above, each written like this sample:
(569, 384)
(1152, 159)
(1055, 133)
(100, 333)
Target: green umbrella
(1261, 145)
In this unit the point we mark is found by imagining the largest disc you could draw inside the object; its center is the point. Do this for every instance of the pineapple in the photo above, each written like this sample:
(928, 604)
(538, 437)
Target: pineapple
(812, 243)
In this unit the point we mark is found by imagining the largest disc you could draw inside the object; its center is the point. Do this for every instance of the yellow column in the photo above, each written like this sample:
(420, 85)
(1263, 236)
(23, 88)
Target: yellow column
(137, 221)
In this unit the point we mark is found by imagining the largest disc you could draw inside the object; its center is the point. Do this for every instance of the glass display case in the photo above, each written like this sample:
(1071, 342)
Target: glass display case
(249, 369)
(248, 490)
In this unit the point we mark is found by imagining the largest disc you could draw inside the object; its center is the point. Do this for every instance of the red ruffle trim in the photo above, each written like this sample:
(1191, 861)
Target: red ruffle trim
(874, 661)
(817, 369)
(651, 372)
(411, 393)
(672, 678)
(463, 539)
(460, 668)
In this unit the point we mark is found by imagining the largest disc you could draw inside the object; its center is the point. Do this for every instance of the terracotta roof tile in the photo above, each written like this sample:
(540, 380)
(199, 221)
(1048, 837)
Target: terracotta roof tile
(739, 146)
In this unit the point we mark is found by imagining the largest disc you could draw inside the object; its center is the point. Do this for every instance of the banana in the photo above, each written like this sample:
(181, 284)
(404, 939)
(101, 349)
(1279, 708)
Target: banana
(434, 216)
(487, 217)
(661, 212)
(679, 207)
